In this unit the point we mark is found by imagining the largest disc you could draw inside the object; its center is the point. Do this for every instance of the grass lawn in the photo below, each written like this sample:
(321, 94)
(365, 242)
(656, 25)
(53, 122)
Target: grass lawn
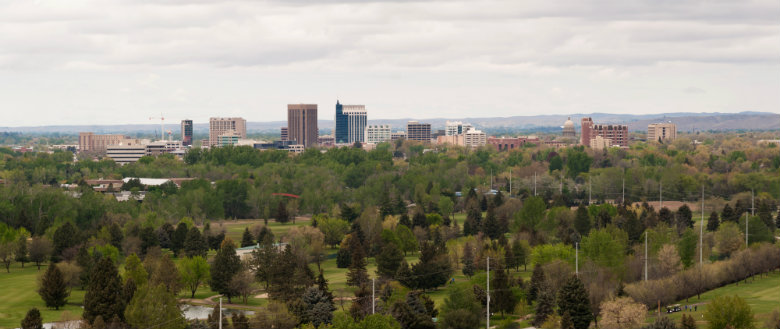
(763, 296)
(18, 295)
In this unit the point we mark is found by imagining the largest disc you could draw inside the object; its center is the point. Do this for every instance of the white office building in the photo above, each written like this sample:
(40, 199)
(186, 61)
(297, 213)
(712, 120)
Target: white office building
(356, 122)
(456, 128)
(377, 133)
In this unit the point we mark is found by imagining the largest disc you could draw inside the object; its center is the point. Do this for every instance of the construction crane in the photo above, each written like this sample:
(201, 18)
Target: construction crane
(162, 128)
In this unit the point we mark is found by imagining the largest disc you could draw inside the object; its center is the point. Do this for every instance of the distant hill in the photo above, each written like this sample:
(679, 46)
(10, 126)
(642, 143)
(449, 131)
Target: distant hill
(684, 121)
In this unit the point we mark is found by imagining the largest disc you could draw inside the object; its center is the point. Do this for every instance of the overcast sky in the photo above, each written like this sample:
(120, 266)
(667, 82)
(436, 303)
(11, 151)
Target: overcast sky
(122, 61)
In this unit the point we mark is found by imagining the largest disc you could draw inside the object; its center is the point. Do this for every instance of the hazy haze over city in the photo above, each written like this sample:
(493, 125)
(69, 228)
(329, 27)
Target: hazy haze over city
(115, 62)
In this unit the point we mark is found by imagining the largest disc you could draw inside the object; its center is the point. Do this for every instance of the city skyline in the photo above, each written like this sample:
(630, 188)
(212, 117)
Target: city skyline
(89, 62)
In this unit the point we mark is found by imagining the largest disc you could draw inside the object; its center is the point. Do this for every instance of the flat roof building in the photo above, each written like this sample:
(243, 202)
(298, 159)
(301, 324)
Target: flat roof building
(618, 134)
(186, 132)
(416, 131)
(456, 128)
(302, 124)
(661, 131)
(221, 126)
(350, 123)
(91, 142)
(378, 133)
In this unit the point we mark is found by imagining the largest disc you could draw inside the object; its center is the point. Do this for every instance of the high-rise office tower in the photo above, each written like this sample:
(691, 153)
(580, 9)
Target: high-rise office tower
(456, 128)
(350, 123)
(416, 131)
(222, 126)
(302, 123)
(186, 132)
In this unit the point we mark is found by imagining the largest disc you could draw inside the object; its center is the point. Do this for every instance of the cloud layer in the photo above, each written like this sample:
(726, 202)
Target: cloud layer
(99, 60)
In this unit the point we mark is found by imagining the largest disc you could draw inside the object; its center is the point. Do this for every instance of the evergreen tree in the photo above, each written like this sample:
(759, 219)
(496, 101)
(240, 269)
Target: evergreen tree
(665, 215)
(65, 237)
(633, 227)
(763, 212)
(357, 268)
(225, 265)
(343, 257)
(684, 217)
(712, 222)
(195, 244)
(361, 304)
(574, 299)
(544, 305)
(178, 238)
(491, 227)
(348, 213)
(498, 199)
(281, 213)
(420, 220)
(521, 255)
(318, 307)
(687, 322)
(20, 254)
(247, 239)
(468, 260)
(502, 296)
(214, 319)
(86, 262)
(566, 322)
(153, 306)
(32, 320)
(404, 220)
(582, 221)
(388, 260)
(728, 214)
(483, 203)
(104, 293)
(53, 289)
(265, 236)
(115, 232)
(537, 280)
(741, 208)
(509, 258)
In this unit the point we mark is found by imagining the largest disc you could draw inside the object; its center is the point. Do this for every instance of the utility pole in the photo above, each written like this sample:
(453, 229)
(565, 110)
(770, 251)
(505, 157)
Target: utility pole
(220, 313)
(577, 258)
(746, 230)
(645, 256)
(701, 229)
(373, 299)
(488, 293)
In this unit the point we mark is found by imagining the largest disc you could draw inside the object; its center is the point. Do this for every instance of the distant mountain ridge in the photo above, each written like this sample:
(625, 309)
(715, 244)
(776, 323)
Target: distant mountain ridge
(685, 121)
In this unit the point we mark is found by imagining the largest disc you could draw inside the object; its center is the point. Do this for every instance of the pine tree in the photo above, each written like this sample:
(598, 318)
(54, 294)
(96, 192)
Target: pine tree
(357, 268)
(712, 222)
(684, 217)
(509, 258)
(574, 298)
(178, 238)
(582, 221)
(521, 254)
(225, 265)
(388, 260)
(53, 289)
(32, 320)
(498, 199)
(404, 220)
(420, 220)
(104, 293)
(195, 244)
(687, 322)
(318, 307)
(665, 215)
(468, 260)
(490, 226)
(247, 239)
(728, 214)
(537, 280)
(502, 295)
(20, 252)
(361, 304)
(281, 213)
(765, 214)
(544, 305)
(566, 322)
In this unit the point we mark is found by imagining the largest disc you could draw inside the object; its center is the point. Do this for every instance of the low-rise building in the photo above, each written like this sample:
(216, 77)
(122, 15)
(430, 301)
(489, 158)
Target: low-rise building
(600, 143)
(511, 143)
(661, 131)
(378, 133)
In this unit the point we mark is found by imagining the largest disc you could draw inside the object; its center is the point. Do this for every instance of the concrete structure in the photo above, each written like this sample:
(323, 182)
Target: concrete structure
(124, 154)
(511, 143)
(474, 138)
(285, 134)
(350, 123)
(378, 133)
(453, 128)
(162, 147)
(397, 135)
(186, 132)
(90, 142)
(568, 129)
(229, 138)
(221, 126)
(416, 131)
(302, 123)
(618, 134)
(600, 143)
(326, 140)
(662, 131)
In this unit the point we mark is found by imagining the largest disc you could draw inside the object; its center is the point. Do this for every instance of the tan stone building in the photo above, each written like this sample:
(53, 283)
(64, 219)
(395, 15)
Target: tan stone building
(223, 126)
(91, 142)
(663, 131)
(600, 143)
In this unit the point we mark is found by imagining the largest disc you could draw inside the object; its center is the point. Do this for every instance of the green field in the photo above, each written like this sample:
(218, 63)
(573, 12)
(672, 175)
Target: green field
(18, 295)
(762, 294)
